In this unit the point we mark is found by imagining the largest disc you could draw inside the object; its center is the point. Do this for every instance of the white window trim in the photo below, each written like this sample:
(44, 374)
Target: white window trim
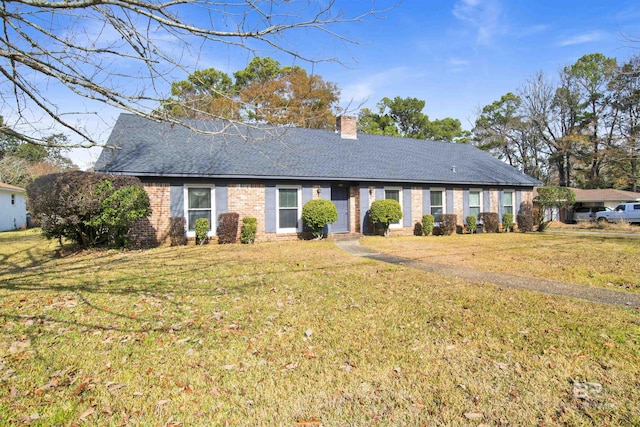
(214, 221)
(480, 200)
(444, 201)
(298, 228)
(400, 196)
(513, 202)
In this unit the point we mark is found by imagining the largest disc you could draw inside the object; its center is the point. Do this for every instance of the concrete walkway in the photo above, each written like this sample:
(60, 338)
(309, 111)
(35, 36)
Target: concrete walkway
(588, 293)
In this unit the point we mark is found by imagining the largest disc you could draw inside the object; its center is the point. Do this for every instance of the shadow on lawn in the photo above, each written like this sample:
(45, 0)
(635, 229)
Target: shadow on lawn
(164, 275)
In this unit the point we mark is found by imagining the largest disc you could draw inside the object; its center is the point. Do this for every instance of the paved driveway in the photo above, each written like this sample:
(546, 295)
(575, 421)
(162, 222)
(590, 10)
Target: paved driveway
(588, 293)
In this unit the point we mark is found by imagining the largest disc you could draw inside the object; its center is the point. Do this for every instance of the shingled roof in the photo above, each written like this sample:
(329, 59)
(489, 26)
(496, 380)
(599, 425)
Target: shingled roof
(10, 187)
(150, 149)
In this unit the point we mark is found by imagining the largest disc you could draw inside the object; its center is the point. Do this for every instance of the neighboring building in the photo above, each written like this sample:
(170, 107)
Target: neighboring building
(269, 173)
(13, 207)
(604, 197)
(607, 197)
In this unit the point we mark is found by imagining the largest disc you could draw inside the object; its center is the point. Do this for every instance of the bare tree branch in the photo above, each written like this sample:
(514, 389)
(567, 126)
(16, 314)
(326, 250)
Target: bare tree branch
(124, 53)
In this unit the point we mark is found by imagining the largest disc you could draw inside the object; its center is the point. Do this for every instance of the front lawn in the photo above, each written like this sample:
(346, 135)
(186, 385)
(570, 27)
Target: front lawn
(297, 334)
(610, 261)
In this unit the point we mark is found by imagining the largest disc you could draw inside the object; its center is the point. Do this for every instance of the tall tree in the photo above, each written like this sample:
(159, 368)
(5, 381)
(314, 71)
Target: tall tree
(552, 114)
(597, 118)
(21, 162)
(203, 94)
(404, 117)
(626, 99)
(263, 92)
(293, 97)
(120, 52)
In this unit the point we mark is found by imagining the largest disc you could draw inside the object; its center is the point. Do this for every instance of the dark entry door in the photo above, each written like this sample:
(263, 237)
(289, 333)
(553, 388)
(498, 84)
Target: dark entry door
(340, 198)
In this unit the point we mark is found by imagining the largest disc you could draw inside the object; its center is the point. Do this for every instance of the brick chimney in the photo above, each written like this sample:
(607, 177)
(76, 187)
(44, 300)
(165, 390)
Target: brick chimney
(346, 127)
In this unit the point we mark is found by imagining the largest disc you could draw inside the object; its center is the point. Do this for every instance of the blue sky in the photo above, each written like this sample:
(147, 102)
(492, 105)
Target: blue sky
(456, 55)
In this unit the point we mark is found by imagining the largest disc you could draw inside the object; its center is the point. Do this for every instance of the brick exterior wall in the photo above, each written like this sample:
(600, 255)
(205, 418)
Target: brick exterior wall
(154, 229)
(458, 207)
(354, 209)
(248, 200)
(495, 200)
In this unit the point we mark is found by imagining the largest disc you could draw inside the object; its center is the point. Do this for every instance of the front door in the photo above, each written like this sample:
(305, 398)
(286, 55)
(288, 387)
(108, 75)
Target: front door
(340, 198)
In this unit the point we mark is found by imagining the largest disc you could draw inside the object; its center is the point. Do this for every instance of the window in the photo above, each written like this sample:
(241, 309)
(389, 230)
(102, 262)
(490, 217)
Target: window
(437, 204)
(394, 193)
(507, 202)
(199, 204)
(288, 209)
(474, 203)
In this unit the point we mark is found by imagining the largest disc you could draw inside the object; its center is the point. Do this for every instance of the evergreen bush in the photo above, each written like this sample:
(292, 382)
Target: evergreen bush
(248, 230)
(385, 212)
(428, 222)
(89, 209)
(318, 213)
(471, 223)
(202, 228)
(507, 222)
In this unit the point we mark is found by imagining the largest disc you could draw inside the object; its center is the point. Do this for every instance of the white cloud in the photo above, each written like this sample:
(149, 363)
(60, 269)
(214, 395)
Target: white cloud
(457, 62)
(482, 15)
(370, 89)
(582, 38)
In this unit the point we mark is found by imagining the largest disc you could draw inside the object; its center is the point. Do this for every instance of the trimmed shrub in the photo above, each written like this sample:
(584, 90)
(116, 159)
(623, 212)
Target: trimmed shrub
(202, 229)
(384, 212)
(428, 222)
(417, 229)
(525, 222)
(176, 231)
(471, 223)
(317, 213)
(448, 223)
(526, 218)
(248, 230)
(507, 222)
(490, 221)
(89, 209)
(228, 228)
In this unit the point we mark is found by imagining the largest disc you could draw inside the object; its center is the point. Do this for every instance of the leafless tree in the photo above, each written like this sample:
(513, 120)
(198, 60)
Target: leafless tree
(122, 53)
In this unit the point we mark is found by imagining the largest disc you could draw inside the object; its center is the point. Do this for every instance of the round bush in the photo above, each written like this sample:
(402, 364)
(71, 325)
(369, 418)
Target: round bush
(471, 223)
(385, 212)
(507, 222)
(428, 222)
(248, 230)
(318, 213)
(202, 227)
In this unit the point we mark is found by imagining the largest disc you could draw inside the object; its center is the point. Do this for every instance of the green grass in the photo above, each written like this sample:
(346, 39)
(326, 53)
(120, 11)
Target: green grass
(295, 333)
(603, 261)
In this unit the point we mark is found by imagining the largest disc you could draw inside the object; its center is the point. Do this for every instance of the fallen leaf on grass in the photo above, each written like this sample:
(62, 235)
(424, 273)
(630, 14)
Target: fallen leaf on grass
(163, 402)
(309, 354)
(87, 412)
(473, 415)
(289, 367)
(49, 386)
(80, 388)
(114, 387)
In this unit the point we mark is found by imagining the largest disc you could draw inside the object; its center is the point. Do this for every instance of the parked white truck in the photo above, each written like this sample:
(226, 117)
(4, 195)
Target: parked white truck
(625, 212)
